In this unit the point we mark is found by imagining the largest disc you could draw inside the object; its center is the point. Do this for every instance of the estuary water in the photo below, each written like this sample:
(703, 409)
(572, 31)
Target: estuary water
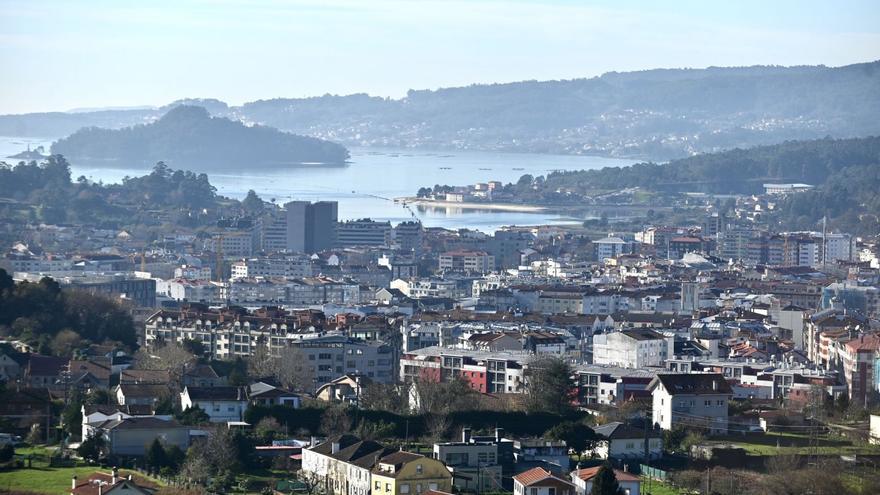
(366, 186)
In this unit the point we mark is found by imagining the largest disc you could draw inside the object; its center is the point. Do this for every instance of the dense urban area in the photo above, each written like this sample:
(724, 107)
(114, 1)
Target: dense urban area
(189, 342)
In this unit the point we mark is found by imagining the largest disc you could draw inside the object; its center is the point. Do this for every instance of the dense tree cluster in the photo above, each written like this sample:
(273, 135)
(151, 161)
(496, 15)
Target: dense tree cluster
(728, 172)
(846, 173)
(57, 321)
(53, 198)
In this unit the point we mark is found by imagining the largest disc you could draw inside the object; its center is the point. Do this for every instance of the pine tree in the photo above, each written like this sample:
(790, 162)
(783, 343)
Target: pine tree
(605, 482)
(156, 457)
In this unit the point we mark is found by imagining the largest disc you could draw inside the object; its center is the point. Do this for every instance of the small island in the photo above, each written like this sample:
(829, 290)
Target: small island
(188, 136)
(29, 154)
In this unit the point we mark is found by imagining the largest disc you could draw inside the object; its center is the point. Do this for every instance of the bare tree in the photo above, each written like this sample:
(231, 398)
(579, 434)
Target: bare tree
(261, 364)
(290, 368)
(383, 397)
(170, 357)
(444, 397)
(293, 370)
(335, 420)
(437, 426)
(312, 482)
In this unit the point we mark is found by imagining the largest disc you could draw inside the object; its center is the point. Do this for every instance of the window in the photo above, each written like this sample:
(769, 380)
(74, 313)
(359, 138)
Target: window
(404, 488)
(707, 403)
(533, 491)
(418, 469)
(551, 491)
(387, 487)
(378, 486)
(630, 445)
(720, 403)
(418, 488)
(432, 486)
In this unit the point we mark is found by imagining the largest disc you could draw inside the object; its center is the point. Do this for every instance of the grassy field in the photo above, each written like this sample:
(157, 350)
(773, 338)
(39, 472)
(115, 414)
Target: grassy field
(48, 480)
(655, 487)
(40, 478)
(775, 443)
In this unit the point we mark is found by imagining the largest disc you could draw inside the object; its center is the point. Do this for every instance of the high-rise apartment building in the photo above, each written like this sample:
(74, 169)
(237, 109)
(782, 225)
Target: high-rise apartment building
(301, 226)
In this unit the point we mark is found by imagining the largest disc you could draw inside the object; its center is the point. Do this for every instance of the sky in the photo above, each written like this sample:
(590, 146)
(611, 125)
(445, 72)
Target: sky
(61, 55)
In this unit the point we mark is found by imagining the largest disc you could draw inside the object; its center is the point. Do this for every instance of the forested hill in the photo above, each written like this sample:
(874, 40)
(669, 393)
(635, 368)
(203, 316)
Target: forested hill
(733, 171)
(846, 173)
(188, 136)
(656, 114)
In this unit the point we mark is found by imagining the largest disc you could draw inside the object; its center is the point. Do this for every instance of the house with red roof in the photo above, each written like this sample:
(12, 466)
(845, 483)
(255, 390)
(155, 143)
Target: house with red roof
(539, 481)
(583, 480)
(112, 483)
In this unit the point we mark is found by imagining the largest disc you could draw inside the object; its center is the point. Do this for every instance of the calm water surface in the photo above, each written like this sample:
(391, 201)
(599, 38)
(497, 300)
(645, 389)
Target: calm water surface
(366, 186)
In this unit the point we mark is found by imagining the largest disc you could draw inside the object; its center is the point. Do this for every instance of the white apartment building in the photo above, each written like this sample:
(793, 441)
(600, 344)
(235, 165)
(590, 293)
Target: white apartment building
(691, 400)
(295, 292)
(634, 348)
(610, 247)
(288, 267)
(422, 288)
(232, 243)
(840, 247)
(467, 261)
(363, 232)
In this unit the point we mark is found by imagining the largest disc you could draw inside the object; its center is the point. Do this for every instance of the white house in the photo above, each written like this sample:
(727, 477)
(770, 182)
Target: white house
(539, 481)
(134, 394)
(221, 404)
(93, 415)
(320, 462)
(622, 441)
(697, 400)
(583, 480)
(875, 429)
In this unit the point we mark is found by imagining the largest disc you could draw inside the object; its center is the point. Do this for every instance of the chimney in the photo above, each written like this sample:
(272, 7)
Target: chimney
(313, 441)
(73, 483)
(334, 447)
(714, 384)
(114, 475)
(499, 434)
(466, 435)
(625, 467)
(129, 477)
(100, 489)
(119, 417)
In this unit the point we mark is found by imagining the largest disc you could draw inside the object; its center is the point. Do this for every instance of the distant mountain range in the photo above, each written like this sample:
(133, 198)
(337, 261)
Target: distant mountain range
(188, 136)
(657, 114)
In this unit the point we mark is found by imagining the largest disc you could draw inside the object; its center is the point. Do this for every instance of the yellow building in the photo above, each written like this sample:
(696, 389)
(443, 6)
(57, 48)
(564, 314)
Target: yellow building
(405, 473)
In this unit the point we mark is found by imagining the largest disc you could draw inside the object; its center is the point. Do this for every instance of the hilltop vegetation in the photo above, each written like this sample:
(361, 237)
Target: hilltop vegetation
(737, 171)
(46, 187)
(57, 322)
(846, 173)
(188, 135)
(657, 114)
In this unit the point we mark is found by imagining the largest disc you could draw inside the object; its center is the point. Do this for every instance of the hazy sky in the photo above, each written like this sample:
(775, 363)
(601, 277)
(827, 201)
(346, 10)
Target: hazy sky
(58, 55)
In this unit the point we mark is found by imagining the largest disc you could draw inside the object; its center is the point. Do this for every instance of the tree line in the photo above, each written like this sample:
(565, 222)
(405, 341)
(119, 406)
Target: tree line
(57, 321)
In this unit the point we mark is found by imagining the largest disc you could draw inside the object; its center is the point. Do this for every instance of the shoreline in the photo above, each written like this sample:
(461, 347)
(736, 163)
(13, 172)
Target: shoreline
(471, 206)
